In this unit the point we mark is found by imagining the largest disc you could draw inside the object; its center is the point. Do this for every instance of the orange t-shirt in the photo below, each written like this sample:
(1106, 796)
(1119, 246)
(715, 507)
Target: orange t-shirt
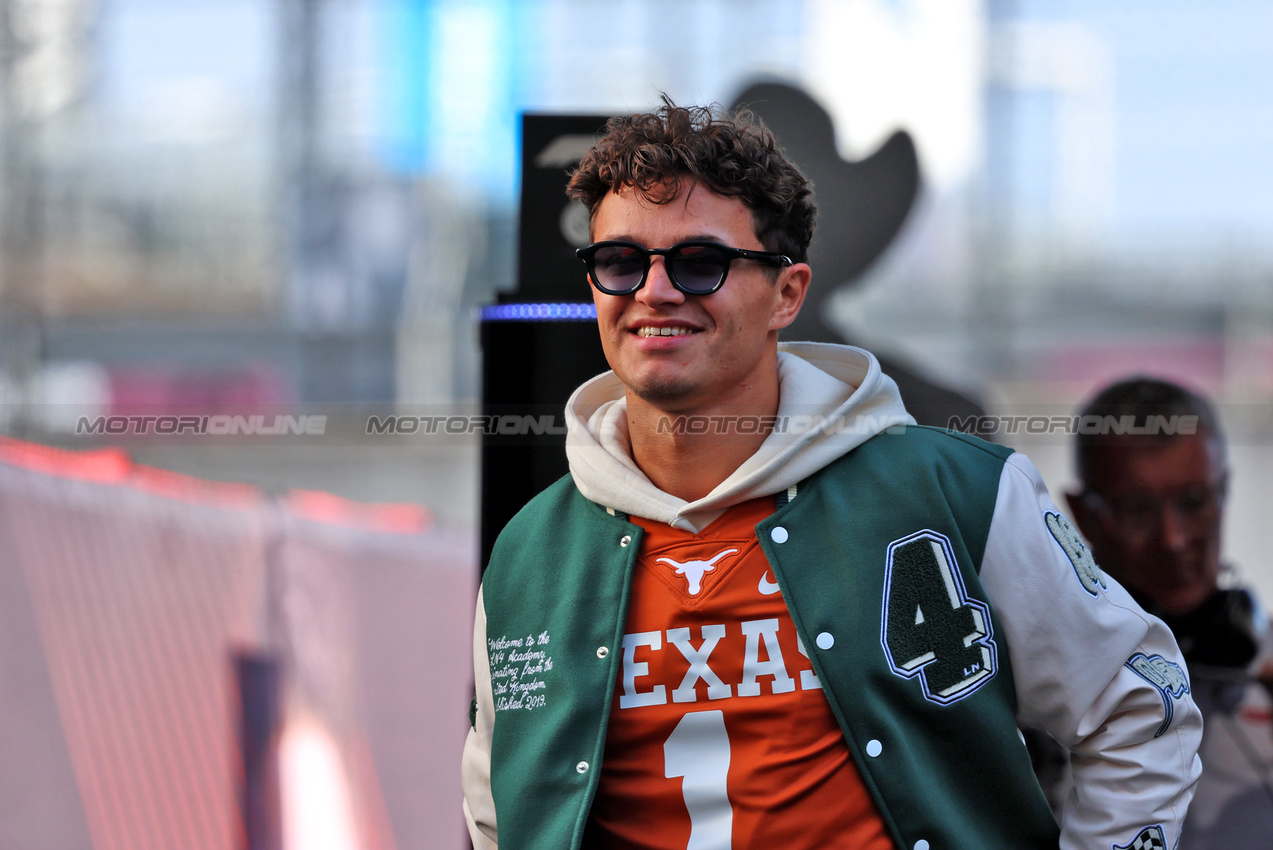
(720, 736)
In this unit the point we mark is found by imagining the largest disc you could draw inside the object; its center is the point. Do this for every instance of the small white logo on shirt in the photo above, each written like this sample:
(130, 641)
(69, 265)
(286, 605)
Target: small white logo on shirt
(695, 570)
(767, 587)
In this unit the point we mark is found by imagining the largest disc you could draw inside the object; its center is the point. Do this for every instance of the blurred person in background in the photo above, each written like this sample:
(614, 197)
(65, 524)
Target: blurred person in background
(1151, 506)
(766, 610)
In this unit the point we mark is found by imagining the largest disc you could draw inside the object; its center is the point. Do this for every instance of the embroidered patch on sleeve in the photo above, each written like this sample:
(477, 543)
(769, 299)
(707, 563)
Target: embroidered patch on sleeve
(930, 627)
(1075, 548)
(1149, 838)
(1166, 676)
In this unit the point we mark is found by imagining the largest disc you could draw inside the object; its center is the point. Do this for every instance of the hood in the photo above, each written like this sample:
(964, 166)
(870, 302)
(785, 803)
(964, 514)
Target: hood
(832, 398)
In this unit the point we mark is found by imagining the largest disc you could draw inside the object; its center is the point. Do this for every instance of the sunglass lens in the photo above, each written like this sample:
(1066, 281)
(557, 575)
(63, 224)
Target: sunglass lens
(698, 268)
(618, 267)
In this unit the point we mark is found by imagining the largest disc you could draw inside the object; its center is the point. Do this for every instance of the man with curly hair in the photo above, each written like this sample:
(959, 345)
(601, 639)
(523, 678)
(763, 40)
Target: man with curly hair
(766, 610)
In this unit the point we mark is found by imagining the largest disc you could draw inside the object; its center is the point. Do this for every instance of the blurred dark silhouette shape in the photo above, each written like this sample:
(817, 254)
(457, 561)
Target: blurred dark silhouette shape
(861, 208)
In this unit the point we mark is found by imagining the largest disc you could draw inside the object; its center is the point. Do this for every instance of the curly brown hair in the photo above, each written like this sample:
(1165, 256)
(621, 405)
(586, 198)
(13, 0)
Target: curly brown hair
(732, 153)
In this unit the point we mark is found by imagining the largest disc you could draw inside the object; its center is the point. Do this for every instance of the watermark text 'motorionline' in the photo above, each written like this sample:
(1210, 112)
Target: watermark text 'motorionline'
(213, 425)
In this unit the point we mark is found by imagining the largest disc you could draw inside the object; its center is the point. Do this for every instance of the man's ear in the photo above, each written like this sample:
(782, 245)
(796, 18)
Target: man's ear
(791, 287)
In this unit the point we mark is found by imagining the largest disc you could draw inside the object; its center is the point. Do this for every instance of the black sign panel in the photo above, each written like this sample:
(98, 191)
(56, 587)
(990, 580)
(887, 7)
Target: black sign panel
(552, 227)
(533, 359)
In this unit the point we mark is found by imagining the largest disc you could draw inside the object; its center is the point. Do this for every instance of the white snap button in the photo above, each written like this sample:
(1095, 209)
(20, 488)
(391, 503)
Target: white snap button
(874, 748)
(779, 534)
(921, 845)
(602, 651)
(826, 640)
(582, 767)
(625, 540)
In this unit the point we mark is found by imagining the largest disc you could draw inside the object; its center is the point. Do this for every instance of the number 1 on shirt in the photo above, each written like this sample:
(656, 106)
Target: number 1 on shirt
(698, 750)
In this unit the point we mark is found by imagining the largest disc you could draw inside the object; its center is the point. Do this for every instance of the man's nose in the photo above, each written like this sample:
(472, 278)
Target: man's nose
(658, 288)
(1174, 527)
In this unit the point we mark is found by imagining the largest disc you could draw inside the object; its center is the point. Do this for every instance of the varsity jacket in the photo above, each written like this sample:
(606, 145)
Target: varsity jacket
(882, 519)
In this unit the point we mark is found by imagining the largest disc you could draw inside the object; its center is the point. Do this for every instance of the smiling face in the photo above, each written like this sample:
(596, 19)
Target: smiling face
(679, 353)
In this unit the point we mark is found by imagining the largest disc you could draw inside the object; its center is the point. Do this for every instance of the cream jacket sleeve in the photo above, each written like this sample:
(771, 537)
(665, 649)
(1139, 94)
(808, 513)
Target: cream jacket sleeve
(475, 767)
(1093, 670)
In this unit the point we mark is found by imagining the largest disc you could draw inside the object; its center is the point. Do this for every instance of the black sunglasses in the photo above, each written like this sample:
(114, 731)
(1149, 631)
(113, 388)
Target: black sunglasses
(695, 268)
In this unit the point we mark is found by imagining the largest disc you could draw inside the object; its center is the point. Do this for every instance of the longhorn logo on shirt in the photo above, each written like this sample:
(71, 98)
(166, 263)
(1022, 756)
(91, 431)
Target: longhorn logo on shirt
(695, 570)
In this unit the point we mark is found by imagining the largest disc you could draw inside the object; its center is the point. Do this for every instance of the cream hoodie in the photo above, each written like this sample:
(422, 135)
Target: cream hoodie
(832, 399)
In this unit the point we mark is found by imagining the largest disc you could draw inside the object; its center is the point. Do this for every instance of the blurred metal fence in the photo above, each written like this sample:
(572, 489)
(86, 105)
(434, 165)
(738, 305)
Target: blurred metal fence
(142, 615)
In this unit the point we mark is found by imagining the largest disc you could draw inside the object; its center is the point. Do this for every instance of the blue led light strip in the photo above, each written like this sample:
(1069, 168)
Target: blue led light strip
(539, 312)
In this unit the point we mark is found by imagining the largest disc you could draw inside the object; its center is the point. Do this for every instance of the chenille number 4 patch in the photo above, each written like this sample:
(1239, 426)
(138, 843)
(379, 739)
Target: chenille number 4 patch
(931, 628)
